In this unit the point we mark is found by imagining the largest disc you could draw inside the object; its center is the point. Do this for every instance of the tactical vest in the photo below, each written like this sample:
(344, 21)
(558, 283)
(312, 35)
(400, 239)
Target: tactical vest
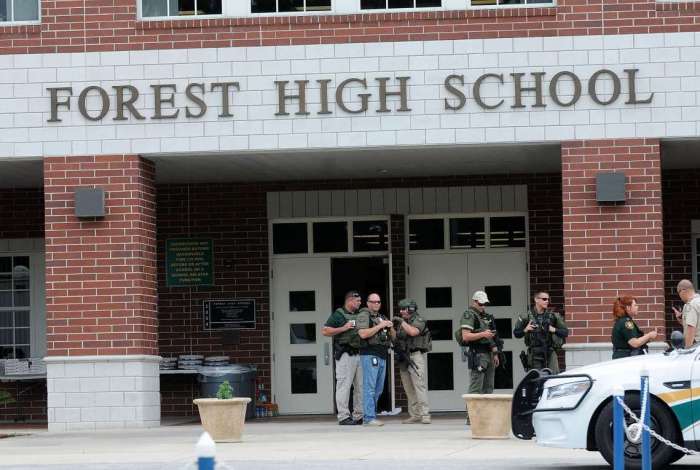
(408, 343)
(382, 336)
(479, 326)
(348, 338)
(542, 338)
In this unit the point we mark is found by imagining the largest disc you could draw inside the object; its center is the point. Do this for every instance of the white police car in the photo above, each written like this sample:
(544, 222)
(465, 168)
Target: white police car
(574, 409)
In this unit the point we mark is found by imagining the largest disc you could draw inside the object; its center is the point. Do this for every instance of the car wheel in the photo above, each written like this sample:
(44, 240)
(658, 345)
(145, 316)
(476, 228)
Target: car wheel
(660, 420)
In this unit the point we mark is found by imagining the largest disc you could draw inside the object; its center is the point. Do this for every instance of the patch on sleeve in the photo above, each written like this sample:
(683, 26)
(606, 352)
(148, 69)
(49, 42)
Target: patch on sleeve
(629, 325)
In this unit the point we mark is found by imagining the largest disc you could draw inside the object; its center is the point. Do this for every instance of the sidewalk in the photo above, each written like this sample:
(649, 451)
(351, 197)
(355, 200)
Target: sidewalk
(285, 443)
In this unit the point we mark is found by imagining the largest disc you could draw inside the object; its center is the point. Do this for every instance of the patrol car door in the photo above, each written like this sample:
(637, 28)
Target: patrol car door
(503, 275)
(302, 365)
(437, 281)
(691, 426)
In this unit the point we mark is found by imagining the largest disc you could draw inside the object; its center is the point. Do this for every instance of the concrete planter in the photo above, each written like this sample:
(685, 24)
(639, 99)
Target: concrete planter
(489, 415)
(223, 419)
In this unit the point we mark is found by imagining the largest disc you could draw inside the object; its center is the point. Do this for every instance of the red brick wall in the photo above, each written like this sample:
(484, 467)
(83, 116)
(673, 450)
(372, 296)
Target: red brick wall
(611, 250)
(100, 273)
(107, 25)
(681, 198)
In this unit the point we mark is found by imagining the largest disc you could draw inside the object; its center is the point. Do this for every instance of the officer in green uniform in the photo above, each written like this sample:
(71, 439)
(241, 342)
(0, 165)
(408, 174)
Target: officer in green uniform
(628, 340)
(412, 344)
(346, 350)
(479, 333)
(544, 331)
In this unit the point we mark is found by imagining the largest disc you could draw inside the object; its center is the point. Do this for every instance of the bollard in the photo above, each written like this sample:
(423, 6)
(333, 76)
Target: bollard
(646, 438)
(206, 451)
(618, 429)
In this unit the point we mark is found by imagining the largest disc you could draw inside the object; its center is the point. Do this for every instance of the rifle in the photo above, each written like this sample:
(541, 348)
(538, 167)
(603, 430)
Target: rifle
(402, 357)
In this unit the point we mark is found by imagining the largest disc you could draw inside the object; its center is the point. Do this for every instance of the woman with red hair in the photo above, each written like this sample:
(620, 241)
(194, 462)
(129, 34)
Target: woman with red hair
(628, 340)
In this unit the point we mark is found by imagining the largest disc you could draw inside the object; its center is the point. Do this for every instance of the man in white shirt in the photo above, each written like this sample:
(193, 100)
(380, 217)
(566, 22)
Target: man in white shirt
(689, 317)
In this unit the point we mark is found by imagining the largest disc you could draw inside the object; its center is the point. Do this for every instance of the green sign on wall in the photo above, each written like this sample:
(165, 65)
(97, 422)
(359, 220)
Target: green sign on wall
(189, 262)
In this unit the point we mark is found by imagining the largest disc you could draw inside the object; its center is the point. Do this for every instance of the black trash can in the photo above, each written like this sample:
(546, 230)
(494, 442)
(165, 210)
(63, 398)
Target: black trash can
(240, 377)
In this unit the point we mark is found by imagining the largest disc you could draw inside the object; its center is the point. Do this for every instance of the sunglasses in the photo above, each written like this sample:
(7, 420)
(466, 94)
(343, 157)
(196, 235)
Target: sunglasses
(374, 301)
(544, 299)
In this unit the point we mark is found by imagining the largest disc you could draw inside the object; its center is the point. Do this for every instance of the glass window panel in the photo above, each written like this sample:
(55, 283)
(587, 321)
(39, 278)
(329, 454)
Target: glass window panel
(183, 7)
(507, 232)
(6, 336)
(154, 8)
(5, 13)
(504, 326)
(467, 233)
(438, 297)
(26, 10)
(7, 352)
(504, 374)
(22, 299)
(330, 237)
(302, 333)
(263, 6)
(426, 234)
(291, 5)
(303, 370)
(209, 7)
(21, 318)
(499, 296)
(22, 352)
(440, 372)
(400, 3)
(302, 301)
(318, 5)
(19, 284)
(6, 299)
(6, 320)
(440, 330)
(5, 262)
(372, 4)
(289, 238)
(5, 281)
(428, 3)
(371, 235)
(20, 266)
(22, 336)
(484, 2)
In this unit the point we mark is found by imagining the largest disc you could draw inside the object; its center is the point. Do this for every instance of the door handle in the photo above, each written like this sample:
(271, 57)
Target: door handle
(326, 354)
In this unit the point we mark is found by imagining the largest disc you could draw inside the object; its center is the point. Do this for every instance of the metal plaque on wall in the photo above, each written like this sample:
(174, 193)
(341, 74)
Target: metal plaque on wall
(189, 262)
(233, 314)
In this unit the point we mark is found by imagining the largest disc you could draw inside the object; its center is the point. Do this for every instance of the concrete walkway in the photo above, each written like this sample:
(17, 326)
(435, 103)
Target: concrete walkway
(287, 444)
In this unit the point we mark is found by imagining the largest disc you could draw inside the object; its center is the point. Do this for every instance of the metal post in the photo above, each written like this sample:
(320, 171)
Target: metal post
(646, 438)
(206, 450)
(618, 429)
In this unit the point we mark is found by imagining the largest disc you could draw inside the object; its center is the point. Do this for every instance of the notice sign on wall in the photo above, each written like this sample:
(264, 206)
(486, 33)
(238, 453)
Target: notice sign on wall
(234, 314)
(189, 262)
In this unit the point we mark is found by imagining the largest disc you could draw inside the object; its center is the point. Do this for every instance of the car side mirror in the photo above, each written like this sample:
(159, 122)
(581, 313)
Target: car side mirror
(677, 340)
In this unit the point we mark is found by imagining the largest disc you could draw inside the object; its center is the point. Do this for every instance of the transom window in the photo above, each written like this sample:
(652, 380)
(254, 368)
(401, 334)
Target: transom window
(467, 232)
(180, 7)
(19, 10)
(282, 6)
(330, 236)
(391, 4)
(479, 3)
(15, 309)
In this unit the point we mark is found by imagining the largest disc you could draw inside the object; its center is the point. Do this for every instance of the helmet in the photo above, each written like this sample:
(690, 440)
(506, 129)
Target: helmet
(409, 304)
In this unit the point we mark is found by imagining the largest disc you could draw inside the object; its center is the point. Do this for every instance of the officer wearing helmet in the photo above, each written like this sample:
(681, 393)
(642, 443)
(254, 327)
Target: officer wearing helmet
(413, 339)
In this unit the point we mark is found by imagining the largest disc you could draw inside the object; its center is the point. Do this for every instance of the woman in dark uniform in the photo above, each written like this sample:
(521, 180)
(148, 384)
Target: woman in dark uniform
(627, 338)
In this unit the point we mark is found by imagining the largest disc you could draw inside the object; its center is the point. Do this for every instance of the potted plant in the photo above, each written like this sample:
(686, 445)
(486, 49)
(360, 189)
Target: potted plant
(223, 417)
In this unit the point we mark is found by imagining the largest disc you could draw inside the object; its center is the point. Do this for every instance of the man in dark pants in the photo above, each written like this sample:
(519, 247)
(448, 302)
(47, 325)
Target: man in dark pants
(544, 331)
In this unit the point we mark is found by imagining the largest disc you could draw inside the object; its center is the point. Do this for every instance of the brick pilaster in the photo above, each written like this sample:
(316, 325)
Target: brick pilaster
(101, 273)
(611, 250)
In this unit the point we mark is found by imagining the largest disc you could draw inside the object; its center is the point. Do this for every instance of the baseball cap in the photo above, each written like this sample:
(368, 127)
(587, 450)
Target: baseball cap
(352, 293)
(481, 297)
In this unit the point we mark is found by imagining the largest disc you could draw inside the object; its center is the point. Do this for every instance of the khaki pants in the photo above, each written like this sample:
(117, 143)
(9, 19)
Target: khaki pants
(481, 381)
(348, 373)
(415, 383)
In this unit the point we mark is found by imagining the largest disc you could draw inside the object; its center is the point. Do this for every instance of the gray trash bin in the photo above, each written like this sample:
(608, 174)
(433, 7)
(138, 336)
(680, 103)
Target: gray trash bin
(241, 377)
